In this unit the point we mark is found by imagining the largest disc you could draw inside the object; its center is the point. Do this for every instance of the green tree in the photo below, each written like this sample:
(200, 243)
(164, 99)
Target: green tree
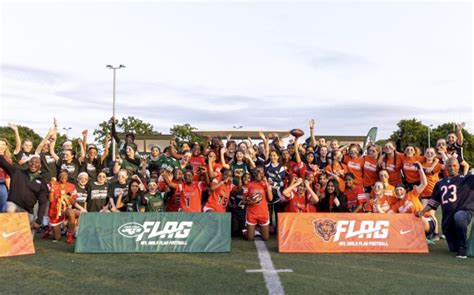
(25, 133)
(410, 131)
(413, 131)
(185, 133)
(126, 125)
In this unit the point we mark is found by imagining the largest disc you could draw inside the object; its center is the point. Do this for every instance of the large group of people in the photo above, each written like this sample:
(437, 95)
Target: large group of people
(252, 180)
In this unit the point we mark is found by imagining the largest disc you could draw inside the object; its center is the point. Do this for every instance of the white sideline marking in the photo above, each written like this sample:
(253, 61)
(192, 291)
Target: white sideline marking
(270, 274)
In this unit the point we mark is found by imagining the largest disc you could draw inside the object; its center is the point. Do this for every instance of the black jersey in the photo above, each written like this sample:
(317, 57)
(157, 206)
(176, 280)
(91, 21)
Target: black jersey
(453, 194)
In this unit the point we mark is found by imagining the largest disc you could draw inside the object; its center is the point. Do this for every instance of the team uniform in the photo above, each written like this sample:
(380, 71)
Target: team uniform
(297, 203)
(355, 166)
(97, 197)
(191, 195)
(432, 178)
(371, 173)
(354, 197)
(257, 213)
(394, 167)
(58, 206)
(456, 197)
(154, 202)
(219, 198)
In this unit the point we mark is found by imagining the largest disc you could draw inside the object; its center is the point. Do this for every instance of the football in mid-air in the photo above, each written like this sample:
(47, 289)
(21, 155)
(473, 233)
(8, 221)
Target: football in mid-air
(297, 132)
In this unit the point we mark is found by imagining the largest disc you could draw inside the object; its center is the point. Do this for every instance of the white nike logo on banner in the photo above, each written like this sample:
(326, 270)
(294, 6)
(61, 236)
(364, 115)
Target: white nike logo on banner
(6, 235)
(404, 232)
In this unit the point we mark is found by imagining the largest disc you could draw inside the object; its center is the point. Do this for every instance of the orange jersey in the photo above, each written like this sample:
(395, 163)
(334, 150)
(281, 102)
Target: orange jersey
(219, 198)
(409, 204)
(369, 206)
(254, 188)
(384, 203)
(394, 167)
(389, 191)
(410, 171)
(191, 195)
(356, 166)
(333, 168)
(371, 171)
(431, 178)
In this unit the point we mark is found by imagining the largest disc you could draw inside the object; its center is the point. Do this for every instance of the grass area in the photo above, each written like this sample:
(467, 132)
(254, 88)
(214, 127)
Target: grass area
(55, 268)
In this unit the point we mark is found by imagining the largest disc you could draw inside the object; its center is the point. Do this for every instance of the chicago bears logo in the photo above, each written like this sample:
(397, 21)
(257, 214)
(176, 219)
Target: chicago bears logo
(325, 228)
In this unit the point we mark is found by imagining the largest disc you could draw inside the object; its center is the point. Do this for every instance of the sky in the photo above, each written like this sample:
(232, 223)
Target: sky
(257, 64)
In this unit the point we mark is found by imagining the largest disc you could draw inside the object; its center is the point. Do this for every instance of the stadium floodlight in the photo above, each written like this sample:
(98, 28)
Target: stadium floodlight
(113, 100)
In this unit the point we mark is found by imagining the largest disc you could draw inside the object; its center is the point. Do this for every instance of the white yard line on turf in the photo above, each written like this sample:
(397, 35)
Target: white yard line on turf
(270, 274)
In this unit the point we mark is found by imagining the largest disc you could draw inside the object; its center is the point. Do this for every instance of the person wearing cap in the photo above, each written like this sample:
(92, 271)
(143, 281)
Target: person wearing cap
(27, 186)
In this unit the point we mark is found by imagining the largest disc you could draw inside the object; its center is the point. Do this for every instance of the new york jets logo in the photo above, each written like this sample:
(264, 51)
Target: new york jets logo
(131, 229)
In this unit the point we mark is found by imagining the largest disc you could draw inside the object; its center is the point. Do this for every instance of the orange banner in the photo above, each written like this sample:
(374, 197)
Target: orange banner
(15, 235)
(350, 232)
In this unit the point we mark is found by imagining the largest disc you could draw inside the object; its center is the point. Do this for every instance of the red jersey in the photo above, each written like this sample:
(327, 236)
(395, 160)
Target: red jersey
(355, 165)
(254, 188)
(196, 162)
(69, 190)
(371, 171)
(354, 197)
(173, 203)
(191, 195)
(297, 168)
(297, 202)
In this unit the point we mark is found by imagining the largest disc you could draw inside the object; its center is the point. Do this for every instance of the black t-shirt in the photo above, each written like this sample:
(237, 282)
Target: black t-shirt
(82, 194)
(48, 163)
(97, 197)
(456, 150)
(22, 156)
(115, 189)
(92, 167)
(73, 168)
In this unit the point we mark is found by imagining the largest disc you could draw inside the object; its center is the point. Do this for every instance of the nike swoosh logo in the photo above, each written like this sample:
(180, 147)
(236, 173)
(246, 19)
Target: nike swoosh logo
(6, 235)
(404, 232)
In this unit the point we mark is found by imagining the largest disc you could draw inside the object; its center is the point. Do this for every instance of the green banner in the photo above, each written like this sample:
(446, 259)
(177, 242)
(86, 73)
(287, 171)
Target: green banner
(153, 232)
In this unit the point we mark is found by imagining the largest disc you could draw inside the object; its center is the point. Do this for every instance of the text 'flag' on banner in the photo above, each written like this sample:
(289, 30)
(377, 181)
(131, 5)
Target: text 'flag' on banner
(350, 232)
(15, 235)
(153, 232)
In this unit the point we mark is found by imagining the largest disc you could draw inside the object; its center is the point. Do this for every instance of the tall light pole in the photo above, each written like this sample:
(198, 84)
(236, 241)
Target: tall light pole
(113, 101)
(67, 131)
(429, 133)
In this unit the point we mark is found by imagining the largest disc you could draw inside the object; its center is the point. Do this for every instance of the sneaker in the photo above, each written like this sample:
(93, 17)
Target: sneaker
(443, 237)
(461, 253)
(257, 233)
(429, 242)
(70, 239)
(435, 237)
